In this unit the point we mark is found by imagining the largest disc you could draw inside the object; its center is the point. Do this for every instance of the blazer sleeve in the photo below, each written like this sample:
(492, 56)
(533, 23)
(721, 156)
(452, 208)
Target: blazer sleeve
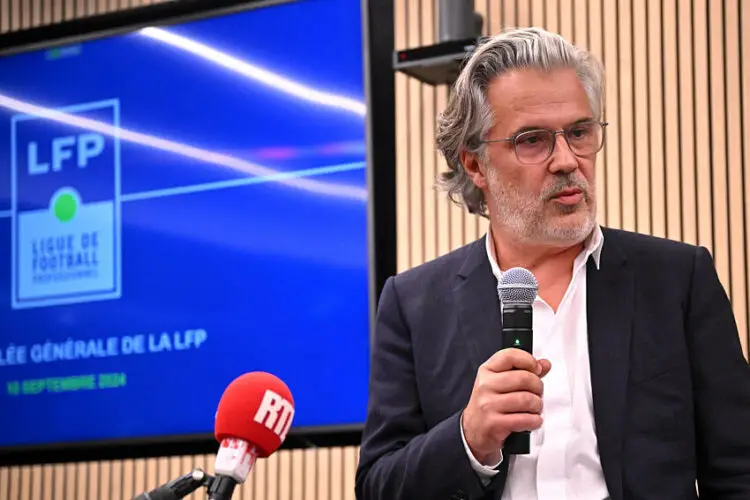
(400, 458)
(721, 382)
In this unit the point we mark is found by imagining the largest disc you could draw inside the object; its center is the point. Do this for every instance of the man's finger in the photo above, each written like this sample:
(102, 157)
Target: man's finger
(516, 380)
(509, 359)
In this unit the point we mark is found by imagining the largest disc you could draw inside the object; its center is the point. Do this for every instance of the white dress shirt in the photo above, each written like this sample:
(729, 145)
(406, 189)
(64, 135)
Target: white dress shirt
(563, 463)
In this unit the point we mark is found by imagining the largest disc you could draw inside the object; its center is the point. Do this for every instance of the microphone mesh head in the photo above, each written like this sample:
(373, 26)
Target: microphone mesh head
(517, 286)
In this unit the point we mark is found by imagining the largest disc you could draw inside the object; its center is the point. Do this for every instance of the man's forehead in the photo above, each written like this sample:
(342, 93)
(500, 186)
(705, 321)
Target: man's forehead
(545, 99)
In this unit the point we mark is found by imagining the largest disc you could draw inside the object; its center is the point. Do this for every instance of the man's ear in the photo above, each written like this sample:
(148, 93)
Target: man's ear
(475, 169)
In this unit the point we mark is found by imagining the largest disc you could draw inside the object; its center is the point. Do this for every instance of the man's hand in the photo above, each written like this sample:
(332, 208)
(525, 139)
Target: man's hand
(507, 397)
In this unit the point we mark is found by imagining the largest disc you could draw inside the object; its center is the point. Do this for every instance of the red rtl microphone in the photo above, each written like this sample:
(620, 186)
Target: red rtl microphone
(254, 416)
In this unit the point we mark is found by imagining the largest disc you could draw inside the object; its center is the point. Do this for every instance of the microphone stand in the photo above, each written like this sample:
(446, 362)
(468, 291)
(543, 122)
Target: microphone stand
(181, 487)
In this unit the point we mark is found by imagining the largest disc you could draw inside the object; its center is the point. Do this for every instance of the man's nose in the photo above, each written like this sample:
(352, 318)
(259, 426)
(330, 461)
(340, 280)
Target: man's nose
(563, 159)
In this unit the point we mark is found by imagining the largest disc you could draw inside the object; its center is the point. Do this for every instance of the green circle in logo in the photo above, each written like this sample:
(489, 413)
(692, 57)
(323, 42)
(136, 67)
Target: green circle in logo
(66, 207)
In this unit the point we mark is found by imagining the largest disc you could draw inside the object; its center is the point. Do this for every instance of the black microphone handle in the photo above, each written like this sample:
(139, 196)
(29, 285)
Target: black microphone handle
(517, 333)
(222, 488)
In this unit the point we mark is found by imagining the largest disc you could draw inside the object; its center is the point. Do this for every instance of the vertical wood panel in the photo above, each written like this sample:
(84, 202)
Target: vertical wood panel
(508, 14)
(427, 143)
(537, 13)
(403, 193)
(47, 490)
(82, 481)
(128, 490)
(444, 208)
(736, 198)
(57, 10)
(493, 22)
(581, 26)
(260, 479)
(311, 473)
(656, 183)
(595, 43)
(116, 481)
(15, 13)
(94, 476)
(59, 481)
(70, 480)
(718, 160)
(284, 460)
(25, 489)
(524, 13)
(686, 124)
(552, 16)
(14, 485)
(626, 126)
(744, 31)
(25, 13)
(612, 146)
(565, 14)
(335, 477)
(104, 489)
(641, 119)
(139, 475)
(702, 123)
(4, 16)
(36, 13)
(351, 455)
(5, 483)
(298, 475)
(671, 123)
(47, 12)
(416, 166)
(323, 470)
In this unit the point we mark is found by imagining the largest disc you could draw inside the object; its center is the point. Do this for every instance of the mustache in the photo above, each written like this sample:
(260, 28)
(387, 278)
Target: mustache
(563, 182)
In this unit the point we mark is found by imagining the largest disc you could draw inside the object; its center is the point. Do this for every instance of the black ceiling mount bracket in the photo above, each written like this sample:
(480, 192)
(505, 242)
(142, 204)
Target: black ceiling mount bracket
(459, 31)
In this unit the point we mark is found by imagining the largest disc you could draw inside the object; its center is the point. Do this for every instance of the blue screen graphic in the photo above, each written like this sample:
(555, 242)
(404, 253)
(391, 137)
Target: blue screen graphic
(178, 206)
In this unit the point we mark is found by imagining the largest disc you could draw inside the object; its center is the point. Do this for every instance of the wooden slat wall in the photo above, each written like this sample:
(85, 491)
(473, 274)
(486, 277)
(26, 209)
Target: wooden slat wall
(675, 163)
(312, 474)
(678, 86)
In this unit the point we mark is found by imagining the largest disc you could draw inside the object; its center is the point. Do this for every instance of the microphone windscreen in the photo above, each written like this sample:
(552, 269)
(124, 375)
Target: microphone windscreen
(256, 407)
(517, 286)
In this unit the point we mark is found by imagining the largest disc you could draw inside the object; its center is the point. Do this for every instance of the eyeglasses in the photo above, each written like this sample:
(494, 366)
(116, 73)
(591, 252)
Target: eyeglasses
(535, 146)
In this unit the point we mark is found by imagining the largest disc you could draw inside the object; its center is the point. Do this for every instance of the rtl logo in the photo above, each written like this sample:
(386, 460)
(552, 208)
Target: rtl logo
(276, 413)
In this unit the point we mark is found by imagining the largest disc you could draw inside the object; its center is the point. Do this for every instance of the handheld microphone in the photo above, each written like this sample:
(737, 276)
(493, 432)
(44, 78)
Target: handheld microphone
(518, 289)
(253, 418)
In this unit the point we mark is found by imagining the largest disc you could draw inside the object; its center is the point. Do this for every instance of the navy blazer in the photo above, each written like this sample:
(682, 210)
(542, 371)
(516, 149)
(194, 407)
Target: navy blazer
(671, 388)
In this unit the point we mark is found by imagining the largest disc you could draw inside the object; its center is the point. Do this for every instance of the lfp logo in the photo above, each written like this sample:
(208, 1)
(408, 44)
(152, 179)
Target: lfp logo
(65, 206)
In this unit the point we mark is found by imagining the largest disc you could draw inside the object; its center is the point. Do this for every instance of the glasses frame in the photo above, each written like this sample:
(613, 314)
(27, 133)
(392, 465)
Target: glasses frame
(564, 132)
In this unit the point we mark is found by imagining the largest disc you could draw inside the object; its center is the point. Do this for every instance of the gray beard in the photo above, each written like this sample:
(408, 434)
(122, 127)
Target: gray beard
(524, 217)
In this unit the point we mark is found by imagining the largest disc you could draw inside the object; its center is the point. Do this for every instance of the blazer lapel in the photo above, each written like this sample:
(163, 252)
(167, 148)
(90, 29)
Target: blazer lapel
(610, 300)
(479, 314)
(480, 318)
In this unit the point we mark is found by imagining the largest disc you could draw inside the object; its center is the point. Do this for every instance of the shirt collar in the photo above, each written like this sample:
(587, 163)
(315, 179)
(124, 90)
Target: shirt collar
(592, 248)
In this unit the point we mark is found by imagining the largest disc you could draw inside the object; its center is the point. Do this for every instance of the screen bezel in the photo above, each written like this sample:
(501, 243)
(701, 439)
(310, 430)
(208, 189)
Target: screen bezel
(377, 47)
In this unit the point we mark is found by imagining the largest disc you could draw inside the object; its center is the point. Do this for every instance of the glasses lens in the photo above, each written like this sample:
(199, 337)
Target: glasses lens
(534, 146)
(585, 138)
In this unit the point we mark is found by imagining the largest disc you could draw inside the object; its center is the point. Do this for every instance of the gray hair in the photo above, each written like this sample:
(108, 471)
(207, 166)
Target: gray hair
(468, 117)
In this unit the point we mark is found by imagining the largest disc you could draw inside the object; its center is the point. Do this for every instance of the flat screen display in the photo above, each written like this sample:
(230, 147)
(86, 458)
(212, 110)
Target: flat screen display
(179, 205)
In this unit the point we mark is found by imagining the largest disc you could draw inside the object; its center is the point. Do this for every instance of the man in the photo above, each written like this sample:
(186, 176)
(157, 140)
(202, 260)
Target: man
(637, 387)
